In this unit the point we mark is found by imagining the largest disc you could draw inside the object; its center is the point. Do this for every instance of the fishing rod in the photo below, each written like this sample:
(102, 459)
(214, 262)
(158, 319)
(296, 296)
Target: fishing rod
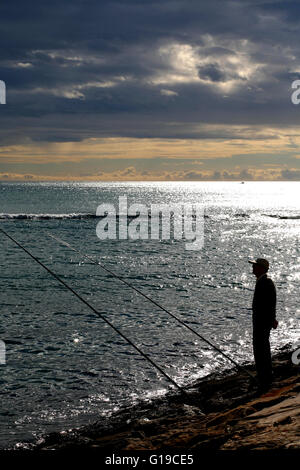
(59, 240)
(99, 314)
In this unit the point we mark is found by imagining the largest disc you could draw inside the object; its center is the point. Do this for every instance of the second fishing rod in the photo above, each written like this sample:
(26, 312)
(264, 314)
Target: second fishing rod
(61, 281)
(216, 348)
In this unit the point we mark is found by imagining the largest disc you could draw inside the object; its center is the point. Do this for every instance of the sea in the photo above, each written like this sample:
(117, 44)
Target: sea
(64, 366)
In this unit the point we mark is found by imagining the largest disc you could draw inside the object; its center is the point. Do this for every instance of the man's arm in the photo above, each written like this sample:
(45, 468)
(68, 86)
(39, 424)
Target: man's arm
(272, 298)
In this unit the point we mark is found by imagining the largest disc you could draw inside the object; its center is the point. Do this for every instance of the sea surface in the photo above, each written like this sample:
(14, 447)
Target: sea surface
(65, 367)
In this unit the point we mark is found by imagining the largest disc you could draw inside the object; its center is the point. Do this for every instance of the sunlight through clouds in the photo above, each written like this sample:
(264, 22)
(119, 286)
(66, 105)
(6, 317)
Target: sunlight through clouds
(169, 80)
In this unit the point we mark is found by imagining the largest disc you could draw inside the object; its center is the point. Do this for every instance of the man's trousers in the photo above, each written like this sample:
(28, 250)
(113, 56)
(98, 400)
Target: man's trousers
(262, 354)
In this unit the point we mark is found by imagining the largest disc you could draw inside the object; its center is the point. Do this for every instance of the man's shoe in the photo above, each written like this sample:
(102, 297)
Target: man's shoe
(263, 388)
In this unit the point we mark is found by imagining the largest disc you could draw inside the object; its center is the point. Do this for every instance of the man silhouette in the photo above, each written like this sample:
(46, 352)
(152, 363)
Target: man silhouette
(263, 318)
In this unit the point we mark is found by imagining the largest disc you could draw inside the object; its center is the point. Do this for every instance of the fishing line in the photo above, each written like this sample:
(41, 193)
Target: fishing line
(59, 240)
(97, 313)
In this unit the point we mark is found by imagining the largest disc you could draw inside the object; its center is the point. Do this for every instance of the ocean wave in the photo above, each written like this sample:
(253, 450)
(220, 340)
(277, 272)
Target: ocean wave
(68, 216)
(283, 217)
(46, 216)
(59, 216)
(81, 216)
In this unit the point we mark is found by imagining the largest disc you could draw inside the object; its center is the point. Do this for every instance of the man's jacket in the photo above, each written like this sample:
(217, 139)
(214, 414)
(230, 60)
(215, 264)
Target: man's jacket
(264, 303)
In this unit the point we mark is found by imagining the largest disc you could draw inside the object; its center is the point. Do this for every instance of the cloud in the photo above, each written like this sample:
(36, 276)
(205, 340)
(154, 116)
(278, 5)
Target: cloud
(84, 60)
(211, 72)
(168, 92)
(290, 174)
(171, 70)
(215, 73)
(132, 173)
(193, 175)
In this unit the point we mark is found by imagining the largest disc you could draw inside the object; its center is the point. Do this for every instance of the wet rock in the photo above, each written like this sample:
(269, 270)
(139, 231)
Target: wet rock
(218, 413)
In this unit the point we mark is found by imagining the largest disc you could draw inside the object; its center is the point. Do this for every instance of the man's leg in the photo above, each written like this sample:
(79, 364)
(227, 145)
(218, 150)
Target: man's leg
(262, 356)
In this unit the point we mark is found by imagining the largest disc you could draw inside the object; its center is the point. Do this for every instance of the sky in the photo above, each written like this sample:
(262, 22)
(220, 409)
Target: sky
(135, 90)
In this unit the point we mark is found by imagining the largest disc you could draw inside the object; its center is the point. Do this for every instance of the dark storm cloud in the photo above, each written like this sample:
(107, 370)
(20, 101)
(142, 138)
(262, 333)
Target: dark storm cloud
(214, 73)
(211, 72)
(291, 174)
(95, 68)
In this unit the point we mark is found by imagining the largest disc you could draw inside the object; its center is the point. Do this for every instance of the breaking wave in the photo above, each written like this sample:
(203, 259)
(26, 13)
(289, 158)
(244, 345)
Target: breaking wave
(78, 216)
(279, 216)
(47, 216)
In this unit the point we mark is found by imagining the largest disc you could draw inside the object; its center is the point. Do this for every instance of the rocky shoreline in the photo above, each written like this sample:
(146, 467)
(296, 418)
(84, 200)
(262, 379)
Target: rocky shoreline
(223, 412)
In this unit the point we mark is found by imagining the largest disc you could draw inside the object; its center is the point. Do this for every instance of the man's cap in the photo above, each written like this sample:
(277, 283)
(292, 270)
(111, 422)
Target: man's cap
(261, 262)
